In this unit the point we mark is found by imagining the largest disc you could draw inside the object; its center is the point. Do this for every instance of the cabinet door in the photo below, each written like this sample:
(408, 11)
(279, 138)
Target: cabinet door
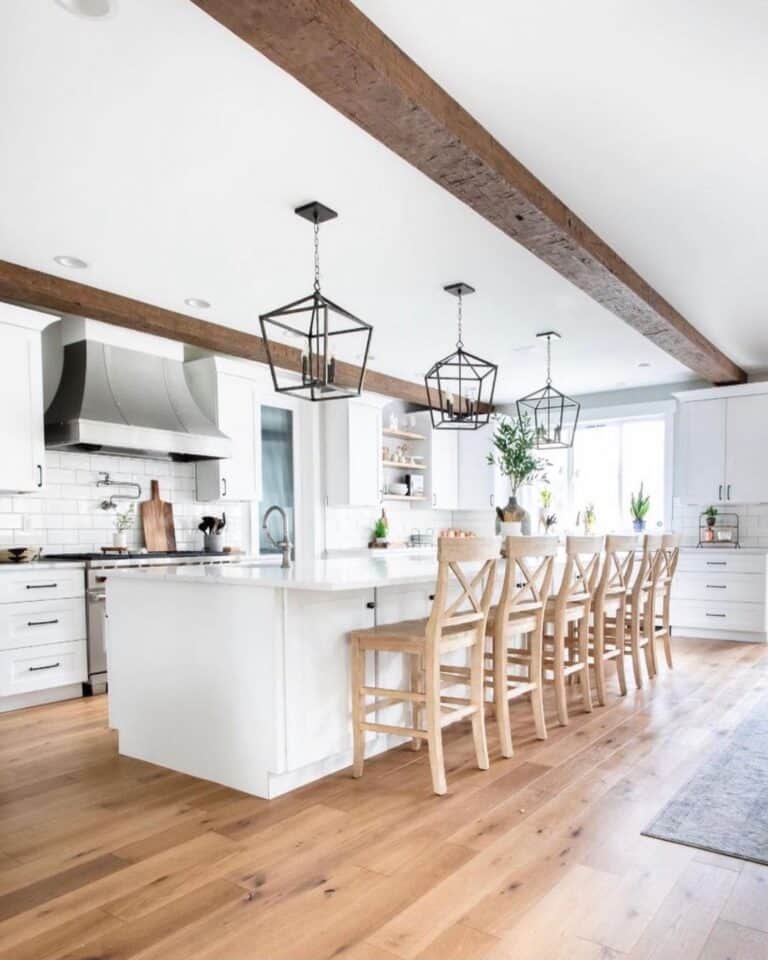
(702, 451)
(238, 415)
(21, 410)
(363, 454)
(479, 482)
(444, 469)
(746, 449)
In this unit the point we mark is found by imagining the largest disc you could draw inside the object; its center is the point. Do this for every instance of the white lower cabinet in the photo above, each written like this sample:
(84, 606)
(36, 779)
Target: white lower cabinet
(42, 635)
(721, 595)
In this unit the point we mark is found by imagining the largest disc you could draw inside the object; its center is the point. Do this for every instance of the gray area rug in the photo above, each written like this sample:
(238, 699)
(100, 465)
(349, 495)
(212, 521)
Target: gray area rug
(724, 807)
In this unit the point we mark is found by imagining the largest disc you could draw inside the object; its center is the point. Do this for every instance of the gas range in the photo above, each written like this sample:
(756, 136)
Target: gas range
(133, 555)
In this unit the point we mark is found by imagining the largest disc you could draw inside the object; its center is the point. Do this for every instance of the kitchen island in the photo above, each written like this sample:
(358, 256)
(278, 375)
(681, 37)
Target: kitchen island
(240, 675)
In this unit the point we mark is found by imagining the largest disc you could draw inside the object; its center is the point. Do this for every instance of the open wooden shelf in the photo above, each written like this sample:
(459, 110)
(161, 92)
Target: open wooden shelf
(403, 466)
(402, 434)
(394, 496)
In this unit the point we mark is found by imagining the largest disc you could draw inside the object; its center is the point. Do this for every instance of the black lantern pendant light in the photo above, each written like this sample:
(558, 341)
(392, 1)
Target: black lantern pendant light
(554, 416)
(460, 386)
(333, 339)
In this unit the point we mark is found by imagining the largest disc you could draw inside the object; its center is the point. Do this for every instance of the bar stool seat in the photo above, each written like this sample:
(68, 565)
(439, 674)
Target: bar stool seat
(409, 636)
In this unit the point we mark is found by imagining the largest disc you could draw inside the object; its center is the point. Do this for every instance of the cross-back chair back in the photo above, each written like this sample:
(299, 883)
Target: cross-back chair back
(670, 554)
(581, 572)
(468, 609)
(528, 575)
(616, 575)
(648, 567)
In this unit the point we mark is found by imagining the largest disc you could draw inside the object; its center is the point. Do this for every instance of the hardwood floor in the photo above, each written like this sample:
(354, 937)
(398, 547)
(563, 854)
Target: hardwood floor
(539, 857)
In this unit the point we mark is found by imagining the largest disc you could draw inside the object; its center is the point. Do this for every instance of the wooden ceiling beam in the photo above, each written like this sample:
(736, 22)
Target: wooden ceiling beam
(337, 52)
(43, 291)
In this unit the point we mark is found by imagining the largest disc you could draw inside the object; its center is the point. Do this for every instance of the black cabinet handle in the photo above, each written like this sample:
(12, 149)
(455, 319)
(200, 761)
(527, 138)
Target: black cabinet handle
(39, 475)
(223, 486)
(728, 492)
(40, 623)
(371, 604)
(715, 615)
(42, 586)
(48, 666)
(717, 563)
(431, 596)
(716, 586)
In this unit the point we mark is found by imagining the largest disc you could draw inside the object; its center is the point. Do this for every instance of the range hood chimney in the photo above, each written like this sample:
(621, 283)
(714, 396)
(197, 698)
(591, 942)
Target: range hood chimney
(115, 400)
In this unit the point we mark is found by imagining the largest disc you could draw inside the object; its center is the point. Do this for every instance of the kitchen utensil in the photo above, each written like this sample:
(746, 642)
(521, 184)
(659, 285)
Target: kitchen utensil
(213, 543)
(157, 522)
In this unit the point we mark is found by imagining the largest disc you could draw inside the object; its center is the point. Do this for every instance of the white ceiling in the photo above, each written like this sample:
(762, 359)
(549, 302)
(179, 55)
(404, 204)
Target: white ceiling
(648, 119)
(169, 155)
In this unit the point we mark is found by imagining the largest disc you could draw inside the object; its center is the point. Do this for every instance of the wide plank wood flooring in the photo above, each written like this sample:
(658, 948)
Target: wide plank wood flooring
(107, 858)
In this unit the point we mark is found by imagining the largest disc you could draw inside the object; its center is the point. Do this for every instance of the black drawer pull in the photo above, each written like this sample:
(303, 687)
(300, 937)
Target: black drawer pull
(40, 623)
(717, 563)
(48, 666)
(371, 604)
(431, 596)
(42, 586)
(717, 586)
(714, 615)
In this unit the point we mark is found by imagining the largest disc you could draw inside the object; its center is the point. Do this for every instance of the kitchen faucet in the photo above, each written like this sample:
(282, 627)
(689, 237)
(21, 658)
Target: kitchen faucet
(283, 545)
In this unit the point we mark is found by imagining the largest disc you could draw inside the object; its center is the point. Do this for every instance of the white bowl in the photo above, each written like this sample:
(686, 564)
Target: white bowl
(398, 489)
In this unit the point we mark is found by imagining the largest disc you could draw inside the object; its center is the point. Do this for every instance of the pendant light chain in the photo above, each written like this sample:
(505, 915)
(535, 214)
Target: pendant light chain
(549, 360)
(460, 342)
(317, 257)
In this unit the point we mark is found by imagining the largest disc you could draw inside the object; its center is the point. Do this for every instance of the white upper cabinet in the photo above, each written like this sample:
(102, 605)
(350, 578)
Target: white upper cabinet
(21, 407)
(232, 402)
(722, 447)
(746, 449)
(352, 453)
(480, 484)
(441, 487)
(701, 450)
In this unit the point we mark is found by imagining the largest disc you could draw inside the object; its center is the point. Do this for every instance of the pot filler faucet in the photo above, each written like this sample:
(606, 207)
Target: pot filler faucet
(283, 545)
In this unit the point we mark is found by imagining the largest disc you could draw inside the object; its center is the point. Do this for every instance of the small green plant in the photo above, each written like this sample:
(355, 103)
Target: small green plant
(711, 512)
(514, 444)
(590, 517)
(124, 520)
(549, 521)
(380, 529)
(639, 504)
(545, 495)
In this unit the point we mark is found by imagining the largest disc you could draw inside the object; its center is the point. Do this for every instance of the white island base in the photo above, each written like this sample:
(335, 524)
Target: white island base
(240, 675)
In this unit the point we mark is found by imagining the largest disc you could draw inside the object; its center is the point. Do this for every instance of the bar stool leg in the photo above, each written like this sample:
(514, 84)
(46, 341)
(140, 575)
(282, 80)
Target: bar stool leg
(584, 681)
(434, 729)
(358, 712)
(649, 628)
(599, 654)
(477, 699)
(667, 631)
(634, 639)
(536, 676)
(500, 701)
(416, 708)
(559, 674)
(620, 634)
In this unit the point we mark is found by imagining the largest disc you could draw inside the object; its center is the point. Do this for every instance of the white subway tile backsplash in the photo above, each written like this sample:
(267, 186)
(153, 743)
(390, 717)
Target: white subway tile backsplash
(67, 515)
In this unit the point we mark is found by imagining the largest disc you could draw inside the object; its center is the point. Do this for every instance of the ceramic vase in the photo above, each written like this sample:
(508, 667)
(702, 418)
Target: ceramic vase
(514, 513)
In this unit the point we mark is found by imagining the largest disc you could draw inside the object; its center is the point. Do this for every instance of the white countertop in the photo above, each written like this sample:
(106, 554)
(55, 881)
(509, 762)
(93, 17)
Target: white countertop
(352, 573)
(42, 565)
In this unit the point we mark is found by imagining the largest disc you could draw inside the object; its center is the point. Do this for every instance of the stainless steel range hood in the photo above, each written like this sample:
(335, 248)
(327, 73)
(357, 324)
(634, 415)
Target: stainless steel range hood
(114, 400)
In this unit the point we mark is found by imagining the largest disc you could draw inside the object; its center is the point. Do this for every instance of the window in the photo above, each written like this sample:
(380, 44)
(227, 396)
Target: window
(276, 471)
(609, 460)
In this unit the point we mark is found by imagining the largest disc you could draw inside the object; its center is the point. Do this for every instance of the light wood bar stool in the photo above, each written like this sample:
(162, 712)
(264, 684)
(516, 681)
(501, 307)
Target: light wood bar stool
(454, 623)
(639, 614)
(520, 613)
(662, 590)
(608, 611)
(566, 617)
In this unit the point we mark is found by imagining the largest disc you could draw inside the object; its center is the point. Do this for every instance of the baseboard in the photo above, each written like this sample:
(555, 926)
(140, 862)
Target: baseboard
(52, 695)
(698, 633)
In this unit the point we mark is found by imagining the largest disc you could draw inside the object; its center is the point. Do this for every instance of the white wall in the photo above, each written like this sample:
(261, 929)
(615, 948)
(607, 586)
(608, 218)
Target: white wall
(66, 516)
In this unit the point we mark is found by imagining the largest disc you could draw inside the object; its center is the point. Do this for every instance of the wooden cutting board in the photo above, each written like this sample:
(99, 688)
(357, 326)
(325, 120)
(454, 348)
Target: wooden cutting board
(157, 521)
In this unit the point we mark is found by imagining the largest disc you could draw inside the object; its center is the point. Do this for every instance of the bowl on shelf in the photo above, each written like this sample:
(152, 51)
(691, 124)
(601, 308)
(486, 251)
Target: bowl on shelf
(398, 489)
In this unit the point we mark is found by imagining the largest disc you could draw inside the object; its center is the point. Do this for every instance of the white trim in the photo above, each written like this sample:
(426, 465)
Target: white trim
(628, 411)
(720, 393)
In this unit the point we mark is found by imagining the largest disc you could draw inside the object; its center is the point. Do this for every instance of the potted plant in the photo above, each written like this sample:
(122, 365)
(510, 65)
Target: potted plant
(381, 530)
(123, 523)
(639, 505)
(711, 514)
(545, 498)
(590, 518)
(514, 455)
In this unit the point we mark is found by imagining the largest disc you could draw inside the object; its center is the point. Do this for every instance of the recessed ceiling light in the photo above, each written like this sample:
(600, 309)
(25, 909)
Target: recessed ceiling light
(196, 302)
(644, 364)
(89, 9)
(76, 262)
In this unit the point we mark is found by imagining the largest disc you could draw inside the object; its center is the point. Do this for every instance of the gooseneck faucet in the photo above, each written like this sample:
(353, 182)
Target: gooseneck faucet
(283, 545)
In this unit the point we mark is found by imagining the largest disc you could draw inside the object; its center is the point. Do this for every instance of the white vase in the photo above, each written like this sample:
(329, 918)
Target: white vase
(120, 539)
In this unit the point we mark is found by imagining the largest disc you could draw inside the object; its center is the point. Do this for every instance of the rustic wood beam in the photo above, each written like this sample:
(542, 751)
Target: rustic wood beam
(337, 52)
(43, 291)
